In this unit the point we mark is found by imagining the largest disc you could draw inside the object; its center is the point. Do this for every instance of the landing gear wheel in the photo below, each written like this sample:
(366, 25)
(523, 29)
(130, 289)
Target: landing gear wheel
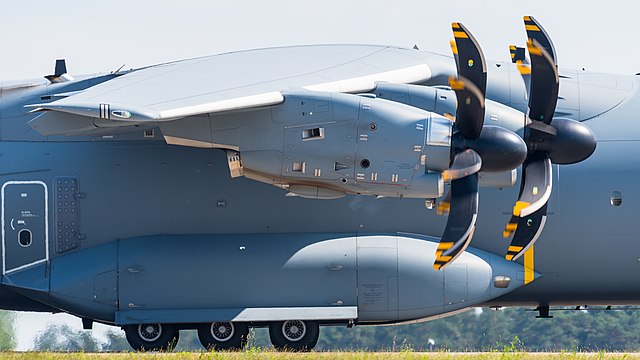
(223, 335)
(152, 337)
(294, 335)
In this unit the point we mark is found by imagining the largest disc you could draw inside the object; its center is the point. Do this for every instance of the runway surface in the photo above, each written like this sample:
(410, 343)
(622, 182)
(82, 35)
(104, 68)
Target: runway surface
(357, 355)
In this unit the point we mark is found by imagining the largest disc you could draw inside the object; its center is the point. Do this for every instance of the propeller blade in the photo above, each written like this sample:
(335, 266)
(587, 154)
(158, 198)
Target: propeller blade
(471, 85)
(530, 211)
(519, 58)
(528, 231)
(462, 200)
(470, 110)
(465, 163)
(545, 83)
(564, 141)
(536, 188)
(461, 222)
(470, 60)
(454, 50)
(535, 31)
(444, 206)
(518, 54)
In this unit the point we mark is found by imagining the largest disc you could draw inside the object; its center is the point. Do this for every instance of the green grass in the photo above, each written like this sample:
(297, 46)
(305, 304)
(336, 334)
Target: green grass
(272, 355)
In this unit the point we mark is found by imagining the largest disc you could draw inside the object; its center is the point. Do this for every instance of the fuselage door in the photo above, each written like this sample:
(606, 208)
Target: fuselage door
(24, 225)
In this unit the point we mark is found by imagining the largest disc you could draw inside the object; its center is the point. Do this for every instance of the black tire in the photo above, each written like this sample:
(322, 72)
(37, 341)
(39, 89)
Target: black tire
(294, 335)
(152, 337)
(223, 335)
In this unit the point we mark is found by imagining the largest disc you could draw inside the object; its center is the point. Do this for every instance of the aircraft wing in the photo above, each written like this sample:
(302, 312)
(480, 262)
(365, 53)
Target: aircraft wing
(230, 82)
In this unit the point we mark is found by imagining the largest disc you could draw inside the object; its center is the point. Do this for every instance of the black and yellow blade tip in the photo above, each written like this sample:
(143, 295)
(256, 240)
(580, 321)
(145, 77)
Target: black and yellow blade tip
(443, 207)
(454, 47)
(460, 34)
(442, 260)
(458, 31)
(443, 246)
(537, 32)
(518, 57)
(530, 24)
(456, 84)
(517, 209)
(511, 227)
(513, 251)
(528, 232)
(470, 86)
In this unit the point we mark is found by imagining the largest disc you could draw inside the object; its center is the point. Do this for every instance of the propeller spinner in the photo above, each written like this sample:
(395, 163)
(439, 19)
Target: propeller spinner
(549, 140)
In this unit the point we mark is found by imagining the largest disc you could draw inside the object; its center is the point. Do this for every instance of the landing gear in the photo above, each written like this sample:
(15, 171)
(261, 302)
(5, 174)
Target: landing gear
(294, 335)
(223, 335)
(543, 312)
(152, 337)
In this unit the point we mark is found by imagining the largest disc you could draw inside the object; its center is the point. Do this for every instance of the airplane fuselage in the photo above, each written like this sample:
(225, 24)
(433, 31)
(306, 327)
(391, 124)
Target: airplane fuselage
(93, 191)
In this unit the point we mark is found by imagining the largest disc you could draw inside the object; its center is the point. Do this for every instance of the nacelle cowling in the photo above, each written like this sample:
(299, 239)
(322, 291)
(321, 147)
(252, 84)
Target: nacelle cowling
(334, 144)
(443, 101)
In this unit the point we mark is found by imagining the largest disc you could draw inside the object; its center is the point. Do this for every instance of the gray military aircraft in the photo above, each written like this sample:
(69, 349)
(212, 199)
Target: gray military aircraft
(321, 208)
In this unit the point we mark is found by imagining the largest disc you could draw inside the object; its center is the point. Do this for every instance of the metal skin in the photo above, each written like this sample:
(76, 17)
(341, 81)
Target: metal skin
(126, 229)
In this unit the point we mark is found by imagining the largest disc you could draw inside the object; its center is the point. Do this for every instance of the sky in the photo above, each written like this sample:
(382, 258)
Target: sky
(101, 36)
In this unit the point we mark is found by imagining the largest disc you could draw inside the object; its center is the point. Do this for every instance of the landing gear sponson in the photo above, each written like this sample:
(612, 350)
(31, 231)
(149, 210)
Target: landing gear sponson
(321, 279)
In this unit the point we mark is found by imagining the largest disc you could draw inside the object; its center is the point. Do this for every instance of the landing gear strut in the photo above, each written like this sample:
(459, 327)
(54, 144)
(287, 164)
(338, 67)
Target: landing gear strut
(294, 335)
(152, 337)
(543, 312)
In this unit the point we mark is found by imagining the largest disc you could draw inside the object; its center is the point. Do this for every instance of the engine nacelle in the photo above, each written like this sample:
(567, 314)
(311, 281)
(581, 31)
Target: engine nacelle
(443, 101)
(334, 144)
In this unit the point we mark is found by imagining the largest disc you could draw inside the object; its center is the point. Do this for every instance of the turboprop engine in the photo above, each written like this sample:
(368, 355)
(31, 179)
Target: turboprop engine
(337, 144)
(325, 145)
(391, 143)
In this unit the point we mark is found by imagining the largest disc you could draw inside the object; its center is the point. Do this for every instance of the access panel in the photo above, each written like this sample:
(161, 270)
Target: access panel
(24, 225)
(378, 277)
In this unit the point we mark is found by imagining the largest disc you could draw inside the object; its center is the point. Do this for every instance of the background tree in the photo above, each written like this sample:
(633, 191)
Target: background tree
(7, 330)
(189, 341)
(476, 330)
(613, 330)
(64, 338)
(115, 342)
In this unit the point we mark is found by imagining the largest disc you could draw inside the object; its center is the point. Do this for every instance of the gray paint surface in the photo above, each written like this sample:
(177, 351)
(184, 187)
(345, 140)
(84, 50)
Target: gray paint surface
(132, 186)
